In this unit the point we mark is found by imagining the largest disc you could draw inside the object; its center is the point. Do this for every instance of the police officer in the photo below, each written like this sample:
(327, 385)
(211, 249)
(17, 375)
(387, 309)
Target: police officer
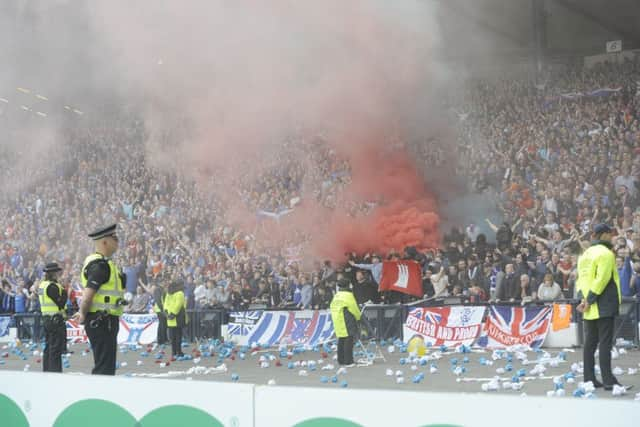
(175, 310)
(102, 300)
(53, 298)
(345, 315)
(599, 289)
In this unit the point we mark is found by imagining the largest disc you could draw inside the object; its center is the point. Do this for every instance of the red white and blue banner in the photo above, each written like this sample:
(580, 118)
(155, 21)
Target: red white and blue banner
(507, 326)
(134, 329)
(75, 332)
(271, 328)
(450, 326)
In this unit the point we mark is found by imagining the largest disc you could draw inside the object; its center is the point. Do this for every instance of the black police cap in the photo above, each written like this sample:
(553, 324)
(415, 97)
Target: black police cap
(109, 230)
(51, 267)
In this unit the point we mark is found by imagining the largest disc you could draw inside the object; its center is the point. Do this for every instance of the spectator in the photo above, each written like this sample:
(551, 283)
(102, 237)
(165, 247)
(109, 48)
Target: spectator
(8, 298)
(527, 293)
(509, 288)
(141, 302)
(236, 300)
(221, 297)
(263, 294)
(625, 269)
(440, 281)
(375, 267)
(322, 296)
(274, 292)
(364, 290)
(21, 299)
(477, 293)
(202, 294)
(549, 290)
(306, 296)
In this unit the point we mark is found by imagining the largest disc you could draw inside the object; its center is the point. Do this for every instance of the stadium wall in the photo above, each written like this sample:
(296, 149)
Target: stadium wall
(37, 399)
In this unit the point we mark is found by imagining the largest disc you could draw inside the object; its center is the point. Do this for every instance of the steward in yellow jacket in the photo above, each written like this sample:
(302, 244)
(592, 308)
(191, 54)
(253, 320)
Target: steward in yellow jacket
(599, 289)
(175, 309)
(345, 315)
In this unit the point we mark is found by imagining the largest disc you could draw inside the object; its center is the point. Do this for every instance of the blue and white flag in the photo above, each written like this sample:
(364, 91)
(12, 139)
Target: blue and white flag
(5, 321)
(271, 328)
(138, 328)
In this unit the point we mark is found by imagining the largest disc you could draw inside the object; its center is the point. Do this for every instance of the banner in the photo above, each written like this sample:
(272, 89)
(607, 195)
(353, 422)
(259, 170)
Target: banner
(138, 328)
(614, 46)
(507, 326)
(270, 328)
(450, 326)
(134, 329)
(561, 317)
(273, 215)
(4, 325)
(604, 91)
(75, 332)
(402, 276)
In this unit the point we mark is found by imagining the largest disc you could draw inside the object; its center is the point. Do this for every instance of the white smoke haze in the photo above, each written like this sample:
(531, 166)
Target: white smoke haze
(244, 74)
(221, 85)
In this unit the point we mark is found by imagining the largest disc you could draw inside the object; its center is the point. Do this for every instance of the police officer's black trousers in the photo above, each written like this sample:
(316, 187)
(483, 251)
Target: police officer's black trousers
(598, 333)
(345, 350)
(175, 335)
(162, 329)
(103, 336)
(55, 331)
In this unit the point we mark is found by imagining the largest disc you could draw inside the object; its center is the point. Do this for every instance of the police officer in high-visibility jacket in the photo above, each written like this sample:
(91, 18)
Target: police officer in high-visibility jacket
(175, 309)
(53, 298)
(599, 289)
(345, 315)
(102, 300)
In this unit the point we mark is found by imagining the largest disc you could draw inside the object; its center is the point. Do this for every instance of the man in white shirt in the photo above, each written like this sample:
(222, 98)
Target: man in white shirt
(200, 293)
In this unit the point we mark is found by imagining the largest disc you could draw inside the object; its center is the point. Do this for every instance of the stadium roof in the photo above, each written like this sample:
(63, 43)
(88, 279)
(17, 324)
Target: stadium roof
(573, 27)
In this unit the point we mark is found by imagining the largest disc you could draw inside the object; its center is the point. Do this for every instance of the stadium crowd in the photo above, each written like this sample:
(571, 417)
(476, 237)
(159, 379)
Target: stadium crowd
(557, 157)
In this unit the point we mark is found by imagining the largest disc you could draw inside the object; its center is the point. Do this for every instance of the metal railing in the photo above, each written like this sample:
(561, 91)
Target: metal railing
(379, 322)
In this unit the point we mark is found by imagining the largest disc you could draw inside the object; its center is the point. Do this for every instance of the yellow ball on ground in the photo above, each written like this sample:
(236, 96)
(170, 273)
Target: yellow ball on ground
(416, 345)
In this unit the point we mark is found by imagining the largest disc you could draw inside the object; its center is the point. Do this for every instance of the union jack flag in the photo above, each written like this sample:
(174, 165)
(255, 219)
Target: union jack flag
(241, 323)
(507, 326)
(75, 332)
(429, 315)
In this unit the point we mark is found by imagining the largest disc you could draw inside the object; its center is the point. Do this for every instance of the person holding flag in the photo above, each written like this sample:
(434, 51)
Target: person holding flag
(395, 276)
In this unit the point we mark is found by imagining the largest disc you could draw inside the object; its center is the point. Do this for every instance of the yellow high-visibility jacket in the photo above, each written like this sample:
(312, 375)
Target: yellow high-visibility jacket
(343, 326)
(598, 282)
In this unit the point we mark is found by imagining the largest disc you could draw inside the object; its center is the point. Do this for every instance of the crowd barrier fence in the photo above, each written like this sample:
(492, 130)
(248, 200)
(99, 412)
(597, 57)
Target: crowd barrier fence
(379, 322)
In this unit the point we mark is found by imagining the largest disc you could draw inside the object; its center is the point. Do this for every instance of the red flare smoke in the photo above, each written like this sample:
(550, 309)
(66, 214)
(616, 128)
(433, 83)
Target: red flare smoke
(407, 215)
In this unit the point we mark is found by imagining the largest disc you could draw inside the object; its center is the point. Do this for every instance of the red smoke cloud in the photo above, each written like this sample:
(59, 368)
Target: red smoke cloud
(407, 215)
